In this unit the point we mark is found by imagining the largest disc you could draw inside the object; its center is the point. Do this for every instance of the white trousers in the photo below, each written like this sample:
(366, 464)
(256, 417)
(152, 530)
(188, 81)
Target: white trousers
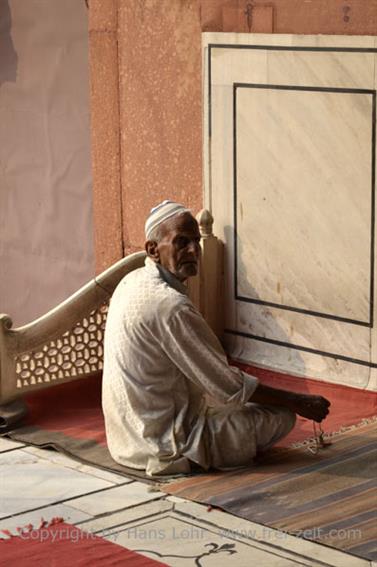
(234, 437)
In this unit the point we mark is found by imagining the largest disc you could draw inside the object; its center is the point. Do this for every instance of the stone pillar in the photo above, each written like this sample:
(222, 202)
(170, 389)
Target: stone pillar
(206, 289)
(105, 131)
(145, 64)
(161, 110)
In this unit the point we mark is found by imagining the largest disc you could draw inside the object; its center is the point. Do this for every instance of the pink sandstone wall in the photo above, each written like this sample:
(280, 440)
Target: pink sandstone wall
(105, 132)
(160, 111)
(146, 115)
(146, 98)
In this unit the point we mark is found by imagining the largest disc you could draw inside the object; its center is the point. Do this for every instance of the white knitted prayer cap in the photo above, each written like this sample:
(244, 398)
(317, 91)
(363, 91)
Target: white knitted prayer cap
(161, 213)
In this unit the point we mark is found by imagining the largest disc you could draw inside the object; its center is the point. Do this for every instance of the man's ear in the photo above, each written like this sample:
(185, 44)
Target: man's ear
(151, 248)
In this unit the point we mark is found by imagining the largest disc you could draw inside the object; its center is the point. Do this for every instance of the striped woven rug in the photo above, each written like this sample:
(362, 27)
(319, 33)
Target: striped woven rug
(329, 497)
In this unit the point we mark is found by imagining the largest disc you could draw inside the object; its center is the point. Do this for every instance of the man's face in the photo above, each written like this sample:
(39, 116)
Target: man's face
(179, 247)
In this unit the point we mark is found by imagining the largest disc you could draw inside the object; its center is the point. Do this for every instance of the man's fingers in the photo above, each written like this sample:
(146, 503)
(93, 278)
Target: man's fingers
(313, 407)
(322, 409)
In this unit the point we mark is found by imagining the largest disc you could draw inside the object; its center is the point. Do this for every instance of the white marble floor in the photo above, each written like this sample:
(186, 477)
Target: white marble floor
(39, 484)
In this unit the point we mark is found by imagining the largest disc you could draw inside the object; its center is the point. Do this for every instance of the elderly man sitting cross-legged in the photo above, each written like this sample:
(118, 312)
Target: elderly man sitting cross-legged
(162, 361)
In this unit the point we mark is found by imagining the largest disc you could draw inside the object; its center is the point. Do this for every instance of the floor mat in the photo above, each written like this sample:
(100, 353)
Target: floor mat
(348, 405)
(328, 497)
(294, 491)
(62, 545)
(68, 417)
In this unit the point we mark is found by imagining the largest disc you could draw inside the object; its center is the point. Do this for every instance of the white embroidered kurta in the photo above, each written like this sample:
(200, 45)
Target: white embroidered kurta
(161, 359)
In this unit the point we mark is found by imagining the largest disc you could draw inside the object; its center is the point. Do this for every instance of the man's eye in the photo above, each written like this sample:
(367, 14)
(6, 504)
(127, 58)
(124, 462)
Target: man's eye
(182, 242)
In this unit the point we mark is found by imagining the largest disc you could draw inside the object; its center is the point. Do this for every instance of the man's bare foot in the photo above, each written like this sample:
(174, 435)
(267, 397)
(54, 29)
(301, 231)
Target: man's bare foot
(311, 407)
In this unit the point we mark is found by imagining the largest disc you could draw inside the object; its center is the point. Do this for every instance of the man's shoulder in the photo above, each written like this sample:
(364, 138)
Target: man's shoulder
(145, 288)
(130, 283)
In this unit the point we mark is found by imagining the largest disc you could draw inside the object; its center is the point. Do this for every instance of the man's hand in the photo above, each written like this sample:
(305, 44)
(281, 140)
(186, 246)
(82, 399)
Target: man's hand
(306, 405)
(311, 407)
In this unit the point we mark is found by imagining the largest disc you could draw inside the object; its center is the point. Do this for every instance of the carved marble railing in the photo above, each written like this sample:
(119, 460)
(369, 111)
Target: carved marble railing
(67, 342)
(206, 289)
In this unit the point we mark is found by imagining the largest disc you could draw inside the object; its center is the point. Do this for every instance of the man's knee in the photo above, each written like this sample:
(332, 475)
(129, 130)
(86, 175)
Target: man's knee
(273, 423)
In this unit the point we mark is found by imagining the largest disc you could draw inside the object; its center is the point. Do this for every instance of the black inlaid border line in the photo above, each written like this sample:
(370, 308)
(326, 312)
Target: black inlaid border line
(302, 348)
(211, 46)
(304, 88)
(11, 448)
(56, 502)
(372, 251)
(215, 529)
(262, 542)
(313, 49)
(302, 311)
(373, 204)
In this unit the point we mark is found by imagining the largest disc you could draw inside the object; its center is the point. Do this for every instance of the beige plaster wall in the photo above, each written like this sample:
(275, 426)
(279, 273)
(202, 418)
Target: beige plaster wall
(46, 244)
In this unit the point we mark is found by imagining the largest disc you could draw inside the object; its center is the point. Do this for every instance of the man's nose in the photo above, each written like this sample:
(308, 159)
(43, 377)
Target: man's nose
(194, 247)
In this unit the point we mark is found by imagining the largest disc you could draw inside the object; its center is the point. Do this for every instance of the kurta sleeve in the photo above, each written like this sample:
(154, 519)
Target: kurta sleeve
(193, 347)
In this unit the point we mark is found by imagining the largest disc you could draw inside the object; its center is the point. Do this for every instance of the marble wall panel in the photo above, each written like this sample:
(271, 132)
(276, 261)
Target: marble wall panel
(290, 174)
(304, 198)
